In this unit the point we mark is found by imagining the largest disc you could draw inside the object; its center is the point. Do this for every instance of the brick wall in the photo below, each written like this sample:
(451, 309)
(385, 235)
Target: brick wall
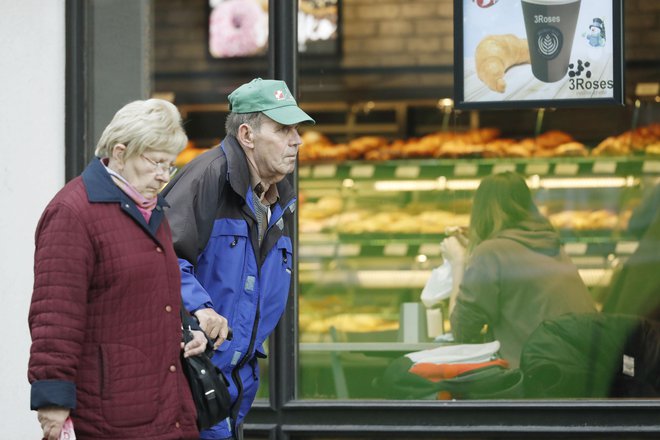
(397, 32)
(375, 34)
(642, 30)
(180, 36)
(420, 32)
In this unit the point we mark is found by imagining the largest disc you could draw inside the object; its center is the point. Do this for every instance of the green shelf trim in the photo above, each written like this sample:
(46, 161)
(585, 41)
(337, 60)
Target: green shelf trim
(471, 168)
(403, 245)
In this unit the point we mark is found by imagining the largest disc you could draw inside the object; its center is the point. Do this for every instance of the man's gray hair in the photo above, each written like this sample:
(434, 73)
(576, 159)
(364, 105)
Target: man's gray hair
(235, 120)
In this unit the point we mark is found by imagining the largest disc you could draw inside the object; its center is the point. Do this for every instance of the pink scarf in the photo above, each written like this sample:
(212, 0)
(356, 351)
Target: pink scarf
(144, 205)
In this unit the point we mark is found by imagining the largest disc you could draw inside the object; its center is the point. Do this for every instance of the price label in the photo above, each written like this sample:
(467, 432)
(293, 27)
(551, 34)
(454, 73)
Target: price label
(395, 249)
(601, 167)
(430, 249)
(626, 247)
(466, 169)
(349, 250)
(651, 166)
(306, 251)
(537, 168)
(326, 250)
(647, 89)
(407, 172)
(504, 167)
(575, 248)
(324, 171)
(304, 171)
(567, 169)
(362, 171)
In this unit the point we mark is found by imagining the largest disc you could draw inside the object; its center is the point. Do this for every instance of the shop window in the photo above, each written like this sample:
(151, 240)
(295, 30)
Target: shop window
(391, 169)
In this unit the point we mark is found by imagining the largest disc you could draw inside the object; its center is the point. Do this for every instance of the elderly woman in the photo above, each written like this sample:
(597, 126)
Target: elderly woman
(513, 273)
(105, 313)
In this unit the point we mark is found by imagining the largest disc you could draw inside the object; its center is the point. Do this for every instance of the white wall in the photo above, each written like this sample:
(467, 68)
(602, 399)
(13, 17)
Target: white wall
(32, 60)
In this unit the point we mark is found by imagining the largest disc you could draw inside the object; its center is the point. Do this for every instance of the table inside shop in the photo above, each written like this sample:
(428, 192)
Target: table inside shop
(342, 355)
(368, 347)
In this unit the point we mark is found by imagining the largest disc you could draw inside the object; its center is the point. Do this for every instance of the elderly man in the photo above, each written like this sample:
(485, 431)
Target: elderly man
(231, 216)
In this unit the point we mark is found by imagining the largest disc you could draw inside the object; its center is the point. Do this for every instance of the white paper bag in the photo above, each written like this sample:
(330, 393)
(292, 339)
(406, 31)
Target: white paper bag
(438, 287)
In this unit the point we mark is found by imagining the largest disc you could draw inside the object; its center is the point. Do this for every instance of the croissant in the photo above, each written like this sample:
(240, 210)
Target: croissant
(495, 54)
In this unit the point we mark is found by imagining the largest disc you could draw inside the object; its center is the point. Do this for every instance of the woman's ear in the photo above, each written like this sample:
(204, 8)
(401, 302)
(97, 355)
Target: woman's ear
(118, 152)
(246, 136)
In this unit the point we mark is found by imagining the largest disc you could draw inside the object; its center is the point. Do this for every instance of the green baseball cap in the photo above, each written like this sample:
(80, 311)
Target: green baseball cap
(272, 98)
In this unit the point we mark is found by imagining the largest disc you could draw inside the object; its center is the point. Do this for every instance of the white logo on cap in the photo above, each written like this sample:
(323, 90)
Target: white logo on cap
(279, 95)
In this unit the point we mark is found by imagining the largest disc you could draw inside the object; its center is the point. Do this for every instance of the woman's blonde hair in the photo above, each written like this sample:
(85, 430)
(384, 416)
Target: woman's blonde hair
(154, 124)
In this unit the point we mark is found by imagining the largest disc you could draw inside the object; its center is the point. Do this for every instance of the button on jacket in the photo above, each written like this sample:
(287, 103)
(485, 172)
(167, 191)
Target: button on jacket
(104, 317)
(215, 235)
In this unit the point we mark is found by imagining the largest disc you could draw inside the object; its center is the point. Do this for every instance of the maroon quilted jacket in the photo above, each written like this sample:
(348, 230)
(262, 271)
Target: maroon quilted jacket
(104, 317)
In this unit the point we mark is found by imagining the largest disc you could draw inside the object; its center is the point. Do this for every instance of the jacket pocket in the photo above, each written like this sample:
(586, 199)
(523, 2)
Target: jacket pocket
(286, 251)
(129, 386)
(222, 265)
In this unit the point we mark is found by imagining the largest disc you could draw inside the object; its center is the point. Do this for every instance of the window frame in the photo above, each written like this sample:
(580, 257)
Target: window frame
(284, 416)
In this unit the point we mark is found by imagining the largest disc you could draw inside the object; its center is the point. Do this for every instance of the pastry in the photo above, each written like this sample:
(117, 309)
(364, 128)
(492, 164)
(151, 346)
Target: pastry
(495, 54)
(571, 149)
(237, 28)
(653, 149)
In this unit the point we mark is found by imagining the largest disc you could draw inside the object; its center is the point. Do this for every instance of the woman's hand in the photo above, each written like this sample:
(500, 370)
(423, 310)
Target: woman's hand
(52, 419)
(453, 250)
(213, 324)
(196, 345)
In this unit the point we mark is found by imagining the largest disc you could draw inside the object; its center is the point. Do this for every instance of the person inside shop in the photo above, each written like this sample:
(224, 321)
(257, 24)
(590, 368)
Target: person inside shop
(509, 272)
(635, 290)
(104, 315)
(232, 216)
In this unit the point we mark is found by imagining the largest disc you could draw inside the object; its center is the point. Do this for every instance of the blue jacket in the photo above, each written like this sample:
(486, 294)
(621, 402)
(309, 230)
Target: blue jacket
(215, 236)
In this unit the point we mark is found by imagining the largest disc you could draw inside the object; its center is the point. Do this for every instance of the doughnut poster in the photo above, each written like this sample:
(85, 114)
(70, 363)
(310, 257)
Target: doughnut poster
(239, 28)
(535, 51)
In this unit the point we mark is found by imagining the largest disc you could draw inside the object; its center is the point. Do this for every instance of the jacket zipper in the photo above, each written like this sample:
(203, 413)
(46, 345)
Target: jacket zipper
(235, 374)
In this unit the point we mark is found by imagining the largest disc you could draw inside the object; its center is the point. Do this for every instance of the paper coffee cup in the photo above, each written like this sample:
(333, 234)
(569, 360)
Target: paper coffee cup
(550, 27)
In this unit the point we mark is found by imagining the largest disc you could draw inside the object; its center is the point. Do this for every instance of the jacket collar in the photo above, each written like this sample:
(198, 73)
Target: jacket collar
(238, 173)
(101, 189)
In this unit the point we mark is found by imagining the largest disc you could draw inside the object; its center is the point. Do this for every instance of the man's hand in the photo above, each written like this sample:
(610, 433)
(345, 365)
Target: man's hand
(215, 326)
(196, 345)
(51, 419)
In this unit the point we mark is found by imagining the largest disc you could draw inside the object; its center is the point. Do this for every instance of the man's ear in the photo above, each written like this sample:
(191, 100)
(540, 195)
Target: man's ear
(246, 136)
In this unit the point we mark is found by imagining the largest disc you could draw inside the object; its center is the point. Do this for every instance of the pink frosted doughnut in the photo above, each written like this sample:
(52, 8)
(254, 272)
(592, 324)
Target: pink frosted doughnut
(237, 28)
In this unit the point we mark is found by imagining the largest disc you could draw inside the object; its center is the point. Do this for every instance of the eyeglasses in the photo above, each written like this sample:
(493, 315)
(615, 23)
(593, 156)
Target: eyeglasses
(161, 167)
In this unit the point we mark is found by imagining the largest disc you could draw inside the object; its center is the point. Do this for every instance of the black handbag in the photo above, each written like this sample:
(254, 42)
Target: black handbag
(208, 386)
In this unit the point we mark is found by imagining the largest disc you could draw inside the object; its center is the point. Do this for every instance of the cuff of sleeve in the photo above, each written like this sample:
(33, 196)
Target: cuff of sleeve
(52, 393)
(189, 322)
(206, 305)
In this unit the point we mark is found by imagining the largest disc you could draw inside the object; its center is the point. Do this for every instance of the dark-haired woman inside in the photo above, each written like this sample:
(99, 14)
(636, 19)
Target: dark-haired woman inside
(510, 273)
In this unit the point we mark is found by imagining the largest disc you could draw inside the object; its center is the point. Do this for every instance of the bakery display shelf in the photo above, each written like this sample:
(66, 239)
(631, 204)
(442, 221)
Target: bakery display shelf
(380, 279)
(596, 274)
(472, 168)
(423, 246)
(374, 245)
(376, 347)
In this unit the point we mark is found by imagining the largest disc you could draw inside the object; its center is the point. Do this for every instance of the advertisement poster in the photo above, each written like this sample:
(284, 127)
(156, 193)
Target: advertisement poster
(239, 28)
(535, 51)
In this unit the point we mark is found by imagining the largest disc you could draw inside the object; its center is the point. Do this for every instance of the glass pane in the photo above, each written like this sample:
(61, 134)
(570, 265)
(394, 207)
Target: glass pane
(189, 70)
(391, 170)
(391, 165)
